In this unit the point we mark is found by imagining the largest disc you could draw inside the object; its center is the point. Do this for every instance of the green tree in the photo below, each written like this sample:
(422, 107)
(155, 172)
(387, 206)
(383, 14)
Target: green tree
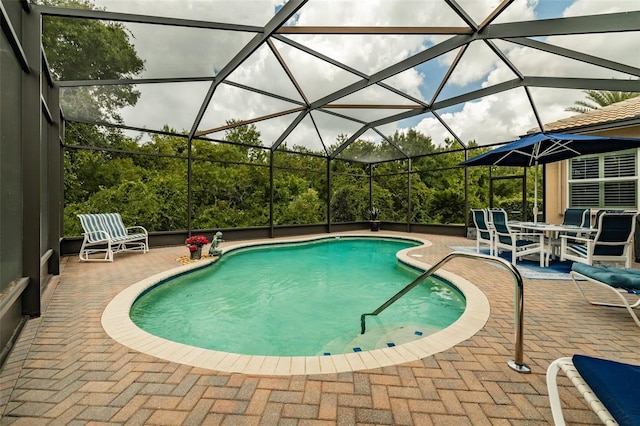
(88, 49)
(85, 49)
(230, 186)
(448, 206)
(149, 191)
(600, 98)
(421, 199)
(305, 207)
(349, 199)
(413, 142)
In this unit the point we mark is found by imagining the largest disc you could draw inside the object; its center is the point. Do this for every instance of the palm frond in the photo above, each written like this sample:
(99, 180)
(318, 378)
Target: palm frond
(600, 98)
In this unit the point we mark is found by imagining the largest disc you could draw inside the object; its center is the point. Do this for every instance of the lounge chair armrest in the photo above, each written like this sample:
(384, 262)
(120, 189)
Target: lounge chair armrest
(100, 234)
(143, 229)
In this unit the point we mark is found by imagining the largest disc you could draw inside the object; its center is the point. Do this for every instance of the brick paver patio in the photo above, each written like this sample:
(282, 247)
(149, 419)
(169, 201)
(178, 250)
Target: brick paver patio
(65, 369)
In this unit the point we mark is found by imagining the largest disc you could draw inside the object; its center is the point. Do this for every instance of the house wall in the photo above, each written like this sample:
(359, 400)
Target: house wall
(555, 191)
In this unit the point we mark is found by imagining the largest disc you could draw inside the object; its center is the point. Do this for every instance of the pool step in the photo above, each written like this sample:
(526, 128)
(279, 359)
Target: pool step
(377, 338)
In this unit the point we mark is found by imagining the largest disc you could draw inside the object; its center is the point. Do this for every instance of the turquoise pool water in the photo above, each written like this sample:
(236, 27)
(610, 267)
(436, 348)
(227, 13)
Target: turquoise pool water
(299, 299)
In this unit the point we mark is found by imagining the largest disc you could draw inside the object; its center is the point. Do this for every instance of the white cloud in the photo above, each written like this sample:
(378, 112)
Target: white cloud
(409, 82)
(476, 63)
(172, 104)
(493, 119)
(593, 7)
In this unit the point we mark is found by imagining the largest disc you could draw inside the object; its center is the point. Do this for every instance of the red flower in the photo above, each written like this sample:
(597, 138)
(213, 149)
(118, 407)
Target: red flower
(198, 240)
(193, 247)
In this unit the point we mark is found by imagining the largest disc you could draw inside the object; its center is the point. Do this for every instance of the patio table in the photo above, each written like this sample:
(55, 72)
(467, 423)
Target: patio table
(553, 232)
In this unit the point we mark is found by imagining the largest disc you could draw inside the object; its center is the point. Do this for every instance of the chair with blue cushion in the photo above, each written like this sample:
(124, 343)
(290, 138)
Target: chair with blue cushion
(577, 217)
(623, 285)
(610, 388)
(484, 232)
(603, 211)
(586, 219)
(573, 217)
(520, 244)
(611, 244)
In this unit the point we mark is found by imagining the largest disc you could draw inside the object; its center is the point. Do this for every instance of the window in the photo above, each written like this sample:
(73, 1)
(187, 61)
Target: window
(604, 181)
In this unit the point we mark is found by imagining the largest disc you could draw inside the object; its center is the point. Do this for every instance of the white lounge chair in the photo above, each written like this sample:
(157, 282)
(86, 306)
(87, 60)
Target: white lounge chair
(106, 233)
(621, 284)
(610, 388)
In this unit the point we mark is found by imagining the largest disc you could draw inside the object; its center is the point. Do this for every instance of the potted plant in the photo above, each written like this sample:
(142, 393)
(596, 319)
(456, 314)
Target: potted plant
(195, 243)
(374, 218)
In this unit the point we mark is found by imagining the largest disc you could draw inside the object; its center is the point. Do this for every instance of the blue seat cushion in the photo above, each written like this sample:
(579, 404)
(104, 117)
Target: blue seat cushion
(615, 277)
(519, 243)
(615, 384)
(524, 243)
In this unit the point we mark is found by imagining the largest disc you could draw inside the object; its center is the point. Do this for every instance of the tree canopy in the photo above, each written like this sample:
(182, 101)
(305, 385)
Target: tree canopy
(146, 181)
(87, 49)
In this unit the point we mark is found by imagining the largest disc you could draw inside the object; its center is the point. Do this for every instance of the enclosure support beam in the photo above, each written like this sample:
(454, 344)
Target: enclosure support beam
(466, 194)
(55, 168)
(271, 194)
(328, 194)
(189, 173)
(409, 196)
(32, 123)
(370, 186)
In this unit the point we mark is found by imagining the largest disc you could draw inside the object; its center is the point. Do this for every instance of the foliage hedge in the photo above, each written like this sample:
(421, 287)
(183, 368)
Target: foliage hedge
(147, 183)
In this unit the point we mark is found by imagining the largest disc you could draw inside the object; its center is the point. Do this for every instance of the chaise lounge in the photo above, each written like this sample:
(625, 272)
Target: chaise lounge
(617, 282)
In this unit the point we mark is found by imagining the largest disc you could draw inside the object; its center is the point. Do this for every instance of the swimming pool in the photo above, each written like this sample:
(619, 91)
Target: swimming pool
(119, 326)
(299, 299)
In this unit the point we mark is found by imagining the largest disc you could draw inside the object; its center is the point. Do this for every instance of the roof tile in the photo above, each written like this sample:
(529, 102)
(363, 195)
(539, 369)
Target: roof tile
(619, 111)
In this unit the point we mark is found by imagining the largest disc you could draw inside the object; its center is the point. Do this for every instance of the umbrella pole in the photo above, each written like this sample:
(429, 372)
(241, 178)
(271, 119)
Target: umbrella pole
(535, 196)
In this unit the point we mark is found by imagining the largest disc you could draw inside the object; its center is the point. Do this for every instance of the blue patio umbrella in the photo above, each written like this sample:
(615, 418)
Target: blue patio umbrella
(543, 148)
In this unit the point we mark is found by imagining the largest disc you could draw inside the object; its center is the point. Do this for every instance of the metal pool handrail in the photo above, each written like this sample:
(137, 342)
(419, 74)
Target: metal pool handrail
(517, 363)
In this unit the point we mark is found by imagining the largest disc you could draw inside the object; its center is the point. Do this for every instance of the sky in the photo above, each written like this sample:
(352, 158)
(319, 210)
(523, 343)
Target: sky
(171, 52)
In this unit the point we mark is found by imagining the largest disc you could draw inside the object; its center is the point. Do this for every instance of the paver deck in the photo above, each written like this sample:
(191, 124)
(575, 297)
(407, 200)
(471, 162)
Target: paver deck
(65, 369)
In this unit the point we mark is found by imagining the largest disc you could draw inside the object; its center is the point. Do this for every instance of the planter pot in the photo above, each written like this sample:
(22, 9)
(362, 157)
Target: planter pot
(196, 254)
(375, 225)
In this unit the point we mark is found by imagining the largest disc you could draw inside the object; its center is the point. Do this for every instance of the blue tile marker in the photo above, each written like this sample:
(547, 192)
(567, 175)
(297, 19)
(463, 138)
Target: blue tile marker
(391, 344)
(419, 333)
(357, 349)
(327, 353)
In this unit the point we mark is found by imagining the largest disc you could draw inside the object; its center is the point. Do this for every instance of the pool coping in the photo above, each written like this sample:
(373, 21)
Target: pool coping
(118, 325)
